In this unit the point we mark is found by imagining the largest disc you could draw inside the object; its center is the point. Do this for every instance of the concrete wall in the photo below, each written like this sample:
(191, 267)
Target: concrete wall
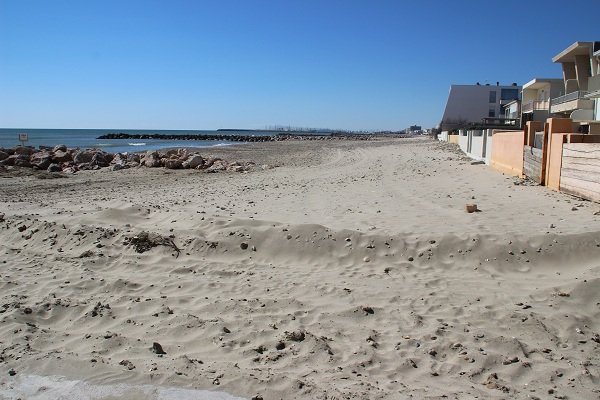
(443, 136)
(477, 144)
(556, 128)
(507, 152)
(453, 139)
(463, 141)
(488, 145)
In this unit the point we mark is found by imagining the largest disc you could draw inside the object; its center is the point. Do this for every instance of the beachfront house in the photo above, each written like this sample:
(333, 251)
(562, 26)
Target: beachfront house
(477, 104)
(536, 97)
(581, 78)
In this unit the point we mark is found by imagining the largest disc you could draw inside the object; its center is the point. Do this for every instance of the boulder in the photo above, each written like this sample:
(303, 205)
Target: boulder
(41, 160)
(119, 159)
(152, 162)
(70, 170)
(60, 156)
(218, 165)
(60, 147)
(3, 155)
(100, 159)
(54, 168)
(118, 167)
(83, 156)
(173, 164)
(151, 159)
(133, 158)
(22, 162)
(22, 150)
(194, 161)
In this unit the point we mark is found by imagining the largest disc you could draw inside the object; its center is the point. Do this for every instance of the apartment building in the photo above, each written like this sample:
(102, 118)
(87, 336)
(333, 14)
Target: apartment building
(581, 79)
(535, 98)
(471, 104)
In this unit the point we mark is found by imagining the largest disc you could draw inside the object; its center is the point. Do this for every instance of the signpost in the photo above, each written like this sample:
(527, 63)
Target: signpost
(23, 138)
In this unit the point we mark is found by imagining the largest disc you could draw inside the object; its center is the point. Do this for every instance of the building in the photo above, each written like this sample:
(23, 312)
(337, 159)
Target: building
(471, 104)
(581, 71)
(535, 98)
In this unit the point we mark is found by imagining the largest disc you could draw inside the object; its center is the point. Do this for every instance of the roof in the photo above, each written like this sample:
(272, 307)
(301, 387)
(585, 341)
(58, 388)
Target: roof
(576, 49)
(538, 83)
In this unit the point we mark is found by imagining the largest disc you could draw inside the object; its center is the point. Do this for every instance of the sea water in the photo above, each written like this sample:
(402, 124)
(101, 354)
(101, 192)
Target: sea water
(88, 138)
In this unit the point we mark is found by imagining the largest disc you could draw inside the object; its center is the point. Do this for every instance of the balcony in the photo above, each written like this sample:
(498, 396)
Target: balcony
(570, 102)
(540, 105)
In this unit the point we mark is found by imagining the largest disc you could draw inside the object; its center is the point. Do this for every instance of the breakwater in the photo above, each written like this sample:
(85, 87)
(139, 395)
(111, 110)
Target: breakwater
(236, 138)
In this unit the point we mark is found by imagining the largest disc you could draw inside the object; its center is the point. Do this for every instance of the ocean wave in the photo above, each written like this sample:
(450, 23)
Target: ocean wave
(136, 144)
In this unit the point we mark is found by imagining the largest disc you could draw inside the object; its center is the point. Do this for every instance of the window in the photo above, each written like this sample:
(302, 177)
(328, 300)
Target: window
(492, 112)
(509, 94)
(493, 97)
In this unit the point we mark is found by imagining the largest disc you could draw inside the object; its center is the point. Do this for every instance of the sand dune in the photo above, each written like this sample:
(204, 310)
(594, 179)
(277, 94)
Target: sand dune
(349, 271)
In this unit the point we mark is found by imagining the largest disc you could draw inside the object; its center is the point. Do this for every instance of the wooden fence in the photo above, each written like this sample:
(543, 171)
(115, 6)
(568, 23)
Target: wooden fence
(580, 170)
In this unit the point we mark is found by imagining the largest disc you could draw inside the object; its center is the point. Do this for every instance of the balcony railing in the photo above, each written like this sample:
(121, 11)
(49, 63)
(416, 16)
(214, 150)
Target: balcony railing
(531, 106)
(580, 94)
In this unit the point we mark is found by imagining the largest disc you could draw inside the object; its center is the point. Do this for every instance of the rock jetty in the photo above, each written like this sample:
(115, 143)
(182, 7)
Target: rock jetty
(62, 159)
(238, 138)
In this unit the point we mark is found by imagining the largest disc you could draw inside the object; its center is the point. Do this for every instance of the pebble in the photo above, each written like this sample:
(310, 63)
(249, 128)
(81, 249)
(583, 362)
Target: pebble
(243, 246)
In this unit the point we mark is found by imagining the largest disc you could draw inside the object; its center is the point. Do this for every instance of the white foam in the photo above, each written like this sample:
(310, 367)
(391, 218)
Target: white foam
(136, 144)
(35, 387)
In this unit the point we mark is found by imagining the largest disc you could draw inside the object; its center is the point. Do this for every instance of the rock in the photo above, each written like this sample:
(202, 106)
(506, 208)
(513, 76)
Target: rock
(41, 160)
(24, 151)
(471, 208)
(280, 346)
(59, 147)
(243, 246)
(22, 162)
(83, 156)
(296, 336)
(173, 164)
(511, 360)
(152, 162)
(368, 310)
(119, 159)
(218, 165)
(118, 167)
(100, 159)
(366, 259)
(12, 372)
(133, 158)
(194, 161)
(54, 168)
(3, 155)
(257, 397)
(157, 348)
(60, 156)
(411, 258)
(226, 330)
(127, 364)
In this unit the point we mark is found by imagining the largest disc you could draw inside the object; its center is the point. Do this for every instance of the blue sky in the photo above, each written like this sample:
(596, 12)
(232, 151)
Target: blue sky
(250, 63)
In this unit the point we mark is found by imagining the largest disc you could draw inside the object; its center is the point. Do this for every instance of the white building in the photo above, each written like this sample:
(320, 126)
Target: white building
(581, 76)
(471, 103)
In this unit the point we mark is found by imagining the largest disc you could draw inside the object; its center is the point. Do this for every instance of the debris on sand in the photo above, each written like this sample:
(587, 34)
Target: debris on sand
(145, 241)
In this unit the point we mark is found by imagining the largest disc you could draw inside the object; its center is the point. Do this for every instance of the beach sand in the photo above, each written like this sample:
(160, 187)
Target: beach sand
(340, 270)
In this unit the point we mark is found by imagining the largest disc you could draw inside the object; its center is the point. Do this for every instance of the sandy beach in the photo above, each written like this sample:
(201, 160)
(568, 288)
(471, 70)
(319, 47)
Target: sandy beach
(336, 270)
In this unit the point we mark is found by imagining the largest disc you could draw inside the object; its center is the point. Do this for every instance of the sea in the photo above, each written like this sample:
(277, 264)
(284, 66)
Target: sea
(88, 138)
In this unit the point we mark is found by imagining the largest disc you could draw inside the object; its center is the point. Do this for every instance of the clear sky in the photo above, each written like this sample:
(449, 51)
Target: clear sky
(175, 64)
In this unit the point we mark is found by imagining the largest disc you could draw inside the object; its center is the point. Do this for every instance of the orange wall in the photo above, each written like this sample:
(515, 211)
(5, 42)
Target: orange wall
(507, 152)
(453, 139)
(557, 128)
